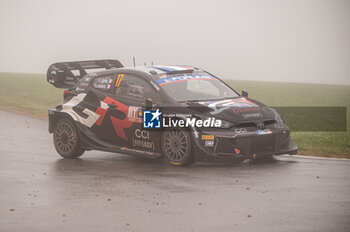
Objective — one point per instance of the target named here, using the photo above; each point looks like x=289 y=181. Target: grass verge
x=28 y=93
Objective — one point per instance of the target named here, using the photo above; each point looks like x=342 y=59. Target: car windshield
x=195 y=87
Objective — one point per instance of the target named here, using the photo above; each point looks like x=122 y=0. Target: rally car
x=181 y=113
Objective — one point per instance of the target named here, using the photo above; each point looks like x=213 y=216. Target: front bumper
x=249 y=144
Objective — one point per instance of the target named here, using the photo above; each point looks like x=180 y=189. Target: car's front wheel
x=177 y=147
x=66 y=139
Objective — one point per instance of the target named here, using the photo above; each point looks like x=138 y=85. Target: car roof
x=164 y=69
x=155 y=71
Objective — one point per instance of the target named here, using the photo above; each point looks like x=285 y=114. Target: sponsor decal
x=83 y=84
x=140 y=114
x=208 y=137
x=209 y=143
x=78 y=89
x=236 y=103
x=143 y=134
x=173 y=79
x=151 y=118
x=109 y=85
x=252 y=115
x=135 y=114
x=169 y=68
x=240 y=130
x=143 y=144
x=245 y=110
x=264 y=132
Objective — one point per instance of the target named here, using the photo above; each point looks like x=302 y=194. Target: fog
x=272 y=40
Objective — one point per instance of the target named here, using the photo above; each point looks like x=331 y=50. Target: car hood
x=234 y=110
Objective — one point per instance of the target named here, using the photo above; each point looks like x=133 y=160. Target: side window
x=103 y=83
x=136 y=87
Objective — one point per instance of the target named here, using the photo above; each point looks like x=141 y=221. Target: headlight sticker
x=264 y=132
x=208 y=137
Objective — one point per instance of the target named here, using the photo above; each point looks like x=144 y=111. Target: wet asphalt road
x=39 y=191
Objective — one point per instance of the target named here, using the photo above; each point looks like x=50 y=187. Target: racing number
x=119 y=80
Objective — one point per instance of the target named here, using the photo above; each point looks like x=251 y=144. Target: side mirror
x=148 y=103
x=244 y=93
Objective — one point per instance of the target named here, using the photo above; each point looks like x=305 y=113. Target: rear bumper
x=246 y=145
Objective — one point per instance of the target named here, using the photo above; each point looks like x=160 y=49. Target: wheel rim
x=65 y=137
x=176 y=145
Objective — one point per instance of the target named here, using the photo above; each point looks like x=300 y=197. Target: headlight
x=225 y=124
x=278 y=117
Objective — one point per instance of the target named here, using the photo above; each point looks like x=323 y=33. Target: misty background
x=272 y=40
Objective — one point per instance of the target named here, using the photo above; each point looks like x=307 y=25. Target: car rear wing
x=67 y=74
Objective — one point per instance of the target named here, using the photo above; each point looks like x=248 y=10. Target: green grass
x=274 y=94
x=31 y=94
x=28 y=93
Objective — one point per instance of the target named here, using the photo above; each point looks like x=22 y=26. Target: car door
x=127 y=104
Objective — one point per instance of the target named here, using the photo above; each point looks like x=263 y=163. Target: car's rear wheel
x=66 y=139
x=177 y=148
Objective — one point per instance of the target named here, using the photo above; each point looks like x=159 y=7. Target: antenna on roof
x=152 y=63
x=145 y=63
x=133 y=58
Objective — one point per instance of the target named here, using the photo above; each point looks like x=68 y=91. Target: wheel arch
x=55 y=116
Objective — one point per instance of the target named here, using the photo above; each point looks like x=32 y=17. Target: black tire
x=177 y=147
x=66 y=139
